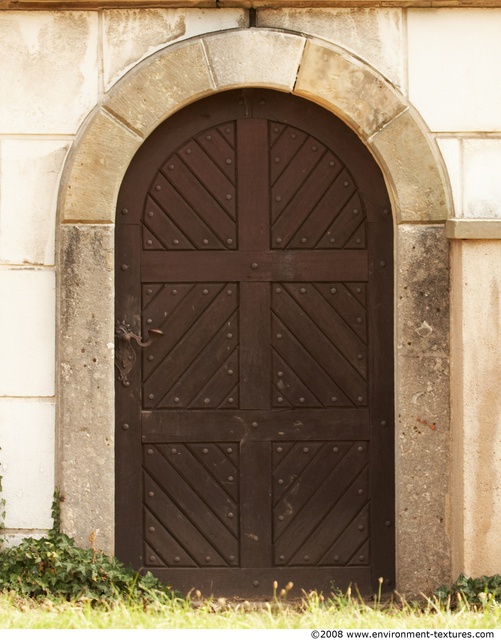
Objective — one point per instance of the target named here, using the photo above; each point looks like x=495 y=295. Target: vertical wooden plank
x=253 y=194
x=381 y=380
x=256 y=504
x=128 y=498
x=255 y=345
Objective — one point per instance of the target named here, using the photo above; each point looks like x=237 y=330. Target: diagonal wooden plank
x=341 y=513
x=316 y=225
x=159 y=301
x=322 y=519
x=206 y=171
x=198 y=197
x=287 y=141
x=197 y=378
x=208 y=489
x=348 y=548
x=348 y=299
x=290 y=208
x=294 y=353
x=222 y=387
x=188 y=348
x=192 y=546
x=162 y=547
x=216 y=144
x=190 y=503
x=312 y=494
x=291 y=385
x=168 y=233
x=179 y=311
x=344 y=225
x=218 y=465
x=319 y=381
x=297 y=173
x=315 y=342
x=332 y=326
x=179 y=210
x=292 y=466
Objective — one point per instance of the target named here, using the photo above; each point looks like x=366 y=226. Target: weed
x=53 y=566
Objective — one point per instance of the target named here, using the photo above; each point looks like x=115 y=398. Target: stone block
x=343 y=84
x=482 y=186
x=454 y=66
x=476 y=403
x=161 y=85
x=86 y=383
x=27 y=462
x=94 y=172
x=254 y=57
x=27 y=321
x=30 y=173
x=412 y=163
x=374 y=35
x=133 y=34
x=422 y=392
x=49 y=78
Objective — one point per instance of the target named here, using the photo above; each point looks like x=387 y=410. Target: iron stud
x=229 y=450
x=278 y=240
x=279 y=449
x=206 y=400
x=277 y=159
x=254 y=424
x=281 y=518
x=346 y=183
x=188 y=151
x=175 y=241
x=151 y=494
x=280 y=399
x=256 y=583
x=293 y=136
x=152 y=529
x=304 y=240
x=230 y=515
x=228 y=160
x=303 y=290
x=207 y=559
x=151 y=396
x=254 y=265
x=205 y=451
x=208 y=137
x=335 y=449
x=336 y=558
x=306 y=450
x=124 y=267
x=382 y=263
x=158 y=187
x=171 y=167
x=152 y=558
x=205 y=241
x=176 y=559
x=333 y=399
x=150 y=214
x=280 y=481
x=301 y=400
x=278 y=198
x=361 y=558
x=125 y=211
x=361 y=527
x=125 y=426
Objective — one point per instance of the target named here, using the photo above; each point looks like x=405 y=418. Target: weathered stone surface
x=372 y=34
x=95 y=169
x=473 y=229
x=161 y=85
x=413 y=166
x=422 y=400
x=476 y=404
x=453 y=67
x=482 y=186
x=132 y=34
x=85 y=451
x=451 y=150
x=28 y=194
x=343 y=84
x=27 y=326
x=27 y=462
x=49 y=78
x=254 y=57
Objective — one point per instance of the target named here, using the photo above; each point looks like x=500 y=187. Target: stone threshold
x=462 y=229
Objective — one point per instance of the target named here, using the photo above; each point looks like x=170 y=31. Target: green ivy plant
x=53 y=566
x=474 y=591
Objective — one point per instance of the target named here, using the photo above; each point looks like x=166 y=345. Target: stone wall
x=60 y=67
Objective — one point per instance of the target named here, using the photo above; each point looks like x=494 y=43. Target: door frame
x=421 y=199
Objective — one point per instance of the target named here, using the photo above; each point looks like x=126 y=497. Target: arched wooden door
x=254 y=439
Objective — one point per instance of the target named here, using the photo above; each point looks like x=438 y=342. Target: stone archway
x=411 y=163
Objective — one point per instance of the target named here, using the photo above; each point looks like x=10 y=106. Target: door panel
x=253 y=230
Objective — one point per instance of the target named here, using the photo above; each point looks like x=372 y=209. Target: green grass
x=312 y=612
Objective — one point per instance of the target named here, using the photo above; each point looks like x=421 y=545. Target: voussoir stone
x=256 y=57
x=95 y=170
x=344 y=85
x=160 y=85
x=414 y=167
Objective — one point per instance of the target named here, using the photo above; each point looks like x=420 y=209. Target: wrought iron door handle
x=125 y=356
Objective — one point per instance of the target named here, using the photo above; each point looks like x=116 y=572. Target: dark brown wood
x=261 y=238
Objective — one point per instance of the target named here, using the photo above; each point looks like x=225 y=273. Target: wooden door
x=254 y=438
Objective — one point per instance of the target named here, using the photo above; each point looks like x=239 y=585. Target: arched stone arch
x=130 y=111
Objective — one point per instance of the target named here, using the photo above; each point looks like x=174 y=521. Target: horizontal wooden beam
x=12 y=5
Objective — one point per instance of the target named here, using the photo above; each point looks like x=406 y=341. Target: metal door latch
x=125 y=356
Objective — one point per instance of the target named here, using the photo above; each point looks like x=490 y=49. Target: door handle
x=125 y=356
